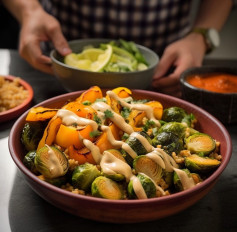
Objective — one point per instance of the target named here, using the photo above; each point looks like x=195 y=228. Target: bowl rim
x=14 y=112
x=54 y=51
x=207 y=69
x=162 y=200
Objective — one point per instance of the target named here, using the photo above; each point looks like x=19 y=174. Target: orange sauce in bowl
x=220 y=83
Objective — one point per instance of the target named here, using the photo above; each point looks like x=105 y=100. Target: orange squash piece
x=157 y=108
x=40 y=114
x=82 y=156
x=91 y=95
x=50 y=132
x=103 y=143
x=135 y=119
x=80 y=110
x=69 y=136
x=122 y=92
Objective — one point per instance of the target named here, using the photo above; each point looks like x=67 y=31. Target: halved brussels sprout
x=200 y=164
x=51 y=162
x=83 y=176
x=117 y=154
x=136 y=145
x=147 y=166
x=170 y=142
x=59 y=181
x=176 y=128
x=147 y=184
x=31 y=134
x=104 y=187
x=177 y=182
x=173 y=114
x=28 y=161
x=200 y=143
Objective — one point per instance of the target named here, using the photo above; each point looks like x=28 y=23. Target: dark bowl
x=74 y=79
x=125 y=211
x=221 y=105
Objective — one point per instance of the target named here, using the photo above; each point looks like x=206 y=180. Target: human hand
x=181 y=55
x=36 y=28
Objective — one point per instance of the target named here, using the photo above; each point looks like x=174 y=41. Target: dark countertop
x=217 y=211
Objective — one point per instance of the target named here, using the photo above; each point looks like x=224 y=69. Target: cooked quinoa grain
x=12 y=94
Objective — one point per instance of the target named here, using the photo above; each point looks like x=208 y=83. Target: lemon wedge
x=91 y=59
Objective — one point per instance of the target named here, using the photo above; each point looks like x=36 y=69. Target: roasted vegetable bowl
x=133 y=149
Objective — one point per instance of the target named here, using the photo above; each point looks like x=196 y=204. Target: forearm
x=22 y=9
x=213 y=13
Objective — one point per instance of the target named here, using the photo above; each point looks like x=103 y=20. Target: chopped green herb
x=108 y=114
x=86 y=103
x=125 y=136
x=95 y=133
x=101 y=100
x=149 y=124
x=125 y=112
x=97 y=119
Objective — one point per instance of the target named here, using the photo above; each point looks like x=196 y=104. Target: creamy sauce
x=138 y=189
x=187 y=182
x=112 y=165
x=108 y=162
x=56 y=168
x=69 y=118
x=142 y=107
x=117 y=118
x=95 y=151
x=143 y=141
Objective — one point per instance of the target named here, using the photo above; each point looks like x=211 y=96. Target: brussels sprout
x=58 y=182
x=147 y=166
x=136 y=145
x=199 y=164
x=176 y=128
x=200 y=143
x=177 y=182
x=104 y=187
x=83 y=176
x=169 y=141
x=168 y=178
x=117 y=154
x=147 y=184
x=28 y=161
x=189 y=119
x=31 y=134
x=51 y=162
x=173 y=114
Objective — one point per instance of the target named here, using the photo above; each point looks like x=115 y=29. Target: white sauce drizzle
x=69 y=118
x=117 y=118
x=187 y=182
x=148 y=109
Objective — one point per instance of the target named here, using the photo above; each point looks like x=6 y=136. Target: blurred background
x=9 y=30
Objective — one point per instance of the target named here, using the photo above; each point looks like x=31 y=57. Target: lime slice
x=90 y=54
x=91 y=59
x=102 y=60
x=71 y=59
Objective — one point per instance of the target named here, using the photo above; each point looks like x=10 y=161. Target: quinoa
x=12 y=93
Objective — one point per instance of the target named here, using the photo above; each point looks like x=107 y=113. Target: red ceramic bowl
x=18 y=110
x=125 y=211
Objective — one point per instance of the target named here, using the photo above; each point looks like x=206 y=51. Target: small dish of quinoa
x=15 y=97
